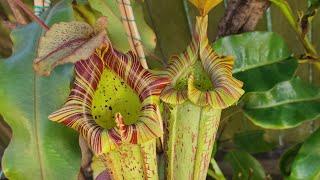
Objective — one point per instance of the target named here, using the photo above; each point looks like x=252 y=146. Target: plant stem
x=225 y=3
x=287 y=11
x=217 y=171
x=269 y=19
x=212 y=174
x=306 y=43
x=186 y=10
x=29 y=12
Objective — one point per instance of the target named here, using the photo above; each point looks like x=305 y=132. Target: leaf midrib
x=285 y=102
x=260 y=65
x=36 y=125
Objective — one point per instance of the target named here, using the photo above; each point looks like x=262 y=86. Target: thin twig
x=29 y=12
x=130 y=26
x=16 y=12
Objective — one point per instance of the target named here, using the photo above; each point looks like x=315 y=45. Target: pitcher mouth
x=143 y=87
x=200 y=75
x=123 y=99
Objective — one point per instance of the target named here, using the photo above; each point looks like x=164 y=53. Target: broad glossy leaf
x=306 y=165
x=257 y=54
x=286 y=105
x=245 y=166
x=116 y=31
x=39 y=149
x=287 y=159
x=252 y=141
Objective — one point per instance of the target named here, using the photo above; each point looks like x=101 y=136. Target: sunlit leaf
x=257 y=54
x=286 y=105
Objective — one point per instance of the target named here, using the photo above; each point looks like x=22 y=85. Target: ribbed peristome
x=225 y=89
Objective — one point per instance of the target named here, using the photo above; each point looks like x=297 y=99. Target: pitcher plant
x=201 y=85
x=114 y=100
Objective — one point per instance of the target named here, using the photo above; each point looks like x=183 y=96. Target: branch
x=30 y=13
x=16 y=12
x=241 y=16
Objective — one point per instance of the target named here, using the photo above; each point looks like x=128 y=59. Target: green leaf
x=287 y=159
x=284 y=6
x=245 y=166
x=306 y=165
x=39 y=149
x=258 y=54
x=116 y=31
x=170 y=24
x=314 y=2
x=286 y=105
x=252 y=141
